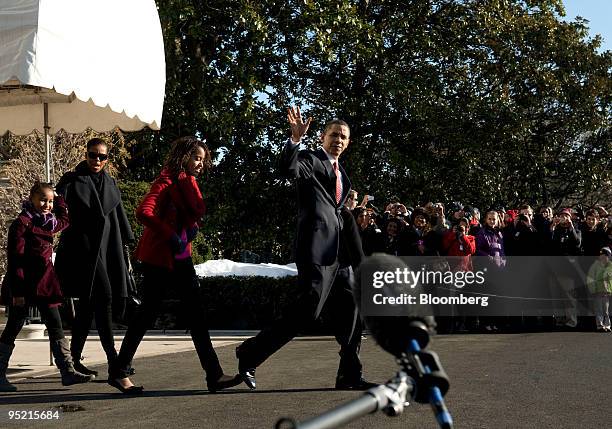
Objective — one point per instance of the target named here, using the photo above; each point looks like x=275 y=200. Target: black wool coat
x=97 y=233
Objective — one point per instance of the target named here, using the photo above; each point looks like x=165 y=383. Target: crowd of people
x=436 y=229
x=431 y=230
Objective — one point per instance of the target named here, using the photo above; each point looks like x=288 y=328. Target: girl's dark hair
x=181 y=151
x=95 y=142
x=39 y=187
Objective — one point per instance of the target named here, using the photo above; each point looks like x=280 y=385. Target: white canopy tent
x=74 y=64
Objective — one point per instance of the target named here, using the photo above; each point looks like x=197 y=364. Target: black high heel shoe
x=132 y=390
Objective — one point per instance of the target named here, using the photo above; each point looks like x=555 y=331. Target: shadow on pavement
x=30 y=397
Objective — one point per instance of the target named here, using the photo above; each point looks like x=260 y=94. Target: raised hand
x=298 y=126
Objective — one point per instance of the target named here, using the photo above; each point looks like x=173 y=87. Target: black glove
x=177 y=245
x=192 y=232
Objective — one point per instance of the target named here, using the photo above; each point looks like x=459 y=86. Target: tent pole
x=47 y=145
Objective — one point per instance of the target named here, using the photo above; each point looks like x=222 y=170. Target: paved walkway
x=31 y=357
x=543 y=380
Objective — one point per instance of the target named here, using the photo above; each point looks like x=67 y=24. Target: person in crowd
x=325 y=271
x=395 y=210
x=371 y=236
x=525 y=241
x=490 y=241
x=351 y=200
x=577 y=215
x=455 y=213
x=490 y=244
x=457 y=242
x=541 y=222
x=566 y=241
x=508 y=230
x=501 y=215
x=171 y=212
x=473 y=215
x=438 y=219
x=393 y=244
x=525 y=209
x=367 y=200
x=420 y=238
x=30 y=280
x=605 y=219
x=593 y=236
x=460 y=246
x=91 y=257
x=599 y=283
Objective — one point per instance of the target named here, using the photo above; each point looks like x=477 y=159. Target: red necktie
x=338 y=184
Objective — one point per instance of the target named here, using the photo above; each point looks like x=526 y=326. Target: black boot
x=79 y=367
x=5 y=354
x=63 y=360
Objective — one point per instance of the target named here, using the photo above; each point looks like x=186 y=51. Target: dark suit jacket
x=327 y=236
x=319 y=216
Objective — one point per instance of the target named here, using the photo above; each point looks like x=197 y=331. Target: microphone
x=393 y=327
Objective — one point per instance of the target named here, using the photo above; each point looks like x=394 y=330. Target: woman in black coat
x=90 y=261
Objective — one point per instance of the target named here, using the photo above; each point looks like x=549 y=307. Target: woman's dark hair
x=40 y=187
x=420 y=211
x=358 y=210
x=181 y=151
x=397 y=222
x=96 y=141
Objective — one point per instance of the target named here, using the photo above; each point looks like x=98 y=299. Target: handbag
x=133 y=299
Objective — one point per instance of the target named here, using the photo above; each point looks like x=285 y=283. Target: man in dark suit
x=327 y=249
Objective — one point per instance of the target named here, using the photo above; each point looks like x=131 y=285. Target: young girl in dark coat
x=31 y=280
x=170 y=213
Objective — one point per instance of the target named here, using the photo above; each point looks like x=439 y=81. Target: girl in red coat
x=31 y=280
x=170 y=213
x=457 y=242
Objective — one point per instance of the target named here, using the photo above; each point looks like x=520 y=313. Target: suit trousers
x=156 y=281
x=339 y=312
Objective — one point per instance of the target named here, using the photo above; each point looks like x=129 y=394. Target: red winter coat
x=464 y=248
x=30 y=272
x=172 y=205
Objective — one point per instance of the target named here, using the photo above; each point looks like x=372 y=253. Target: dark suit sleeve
x=294 y=163
x=351 y=239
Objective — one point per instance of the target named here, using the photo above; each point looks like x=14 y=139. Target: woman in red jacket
x=170 y=213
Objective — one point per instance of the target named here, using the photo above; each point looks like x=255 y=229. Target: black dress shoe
x=353 y=384
x=224 y=382
x=132 y=390
x=246 y=374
